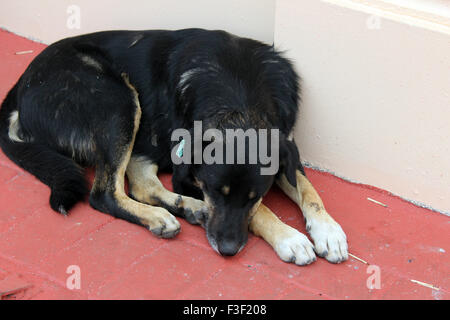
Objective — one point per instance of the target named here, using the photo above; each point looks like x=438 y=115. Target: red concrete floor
x=119 y=260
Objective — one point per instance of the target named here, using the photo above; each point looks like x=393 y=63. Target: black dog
x=113 y=99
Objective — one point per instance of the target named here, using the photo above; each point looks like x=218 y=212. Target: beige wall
x=46 y=20
x=376 y=103
x=376 y=106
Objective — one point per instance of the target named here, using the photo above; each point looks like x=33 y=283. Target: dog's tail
x=64 y=177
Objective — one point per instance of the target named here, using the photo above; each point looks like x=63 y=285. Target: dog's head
x=233 y=191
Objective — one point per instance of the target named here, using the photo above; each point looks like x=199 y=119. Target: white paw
x=164 y=225
x=295 y=247
x=329 y=239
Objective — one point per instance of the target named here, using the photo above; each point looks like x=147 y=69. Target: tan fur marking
x=152 y=217
x=198 y=183
x=141 y=175
x=266 y=225
x=137 y=118
x=305 y=196
x=226 y=190
x=135 y=94
x=147 y=188
x=290 y=245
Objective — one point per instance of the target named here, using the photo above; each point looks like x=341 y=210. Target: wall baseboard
x=309 y=165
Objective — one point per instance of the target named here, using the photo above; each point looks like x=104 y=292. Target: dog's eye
x=252 y=195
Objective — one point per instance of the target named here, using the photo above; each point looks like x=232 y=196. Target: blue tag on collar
x=180 y=149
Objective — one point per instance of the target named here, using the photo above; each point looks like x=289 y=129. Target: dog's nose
x=228 y=248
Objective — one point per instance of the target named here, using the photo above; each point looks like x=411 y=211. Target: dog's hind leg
x=108 y=193
x=146 y=187
x=329 y=239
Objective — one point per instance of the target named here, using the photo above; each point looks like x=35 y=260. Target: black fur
x=75 y=111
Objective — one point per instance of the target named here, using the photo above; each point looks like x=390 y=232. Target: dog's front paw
x=162 y=224
x=295 y=247
x=194 y=211
x=329 y=239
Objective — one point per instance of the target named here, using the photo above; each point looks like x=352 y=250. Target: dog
x=112 y=100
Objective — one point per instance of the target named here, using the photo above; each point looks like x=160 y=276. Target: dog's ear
x=289 y=160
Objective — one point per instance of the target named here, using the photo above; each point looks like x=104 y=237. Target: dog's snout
x=229 y=248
